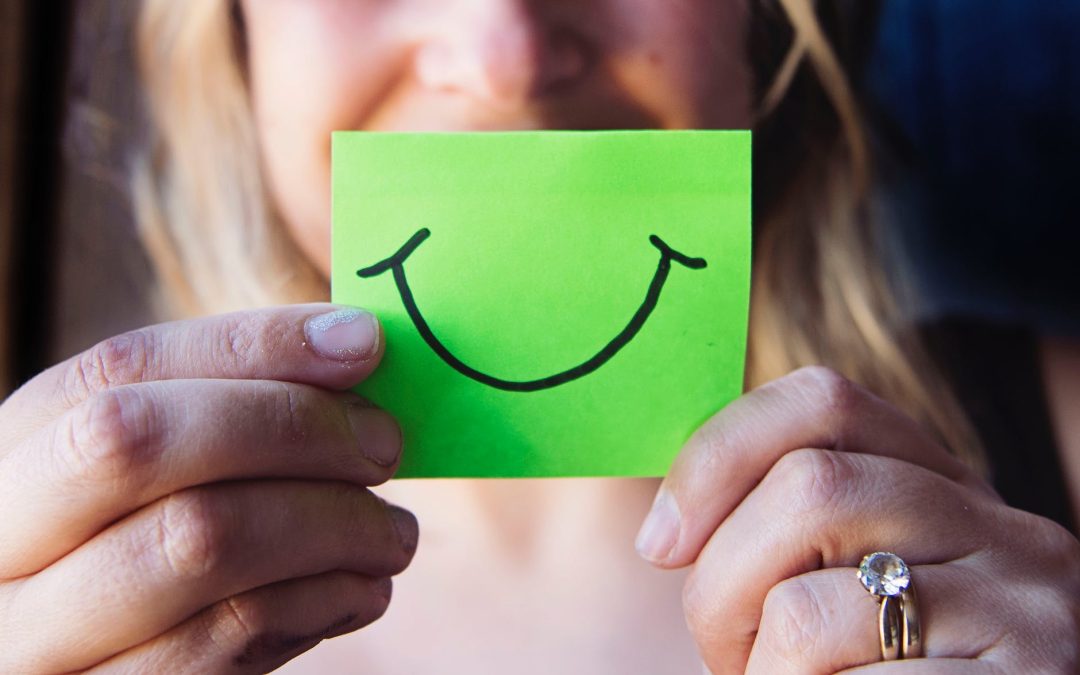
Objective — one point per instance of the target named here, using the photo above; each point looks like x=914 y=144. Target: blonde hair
x=820 y=292
x=203 y=207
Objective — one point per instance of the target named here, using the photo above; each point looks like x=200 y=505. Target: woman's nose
x=501 y=52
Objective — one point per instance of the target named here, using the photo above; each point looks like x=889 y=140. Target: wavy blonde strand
x=848 y=317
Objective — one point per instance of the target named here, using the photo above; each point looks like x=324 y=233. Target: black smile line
x=396 y=263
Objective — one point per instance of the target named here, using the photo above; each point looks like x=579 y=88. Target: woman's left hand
x=777 y=499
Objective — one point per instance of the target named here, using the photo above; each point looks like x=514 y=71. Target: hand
x=777 y=498
x=192 y=498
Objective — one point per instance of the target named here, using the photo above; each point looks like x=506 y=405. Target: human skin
x=780 y=495
x=474 y=65
x=194 y=496
x=171 y=493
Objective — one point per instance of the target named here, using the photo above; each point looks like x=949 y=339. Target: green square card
x=554 y=303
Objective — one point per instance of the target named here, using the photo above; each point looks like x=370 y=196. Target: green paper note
x=554 y=303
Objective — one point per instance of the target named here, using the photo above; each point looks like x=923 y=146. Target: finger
x=186 y=552
x=258 y=631
x=928 y=667
x=825 y=621
x=131 y=445
x=820 y=509
x=321 y=345
x=728 y=456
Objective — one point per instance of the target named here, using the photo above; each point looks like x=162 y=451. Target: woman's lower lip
x=554 y=123
x=512 y=127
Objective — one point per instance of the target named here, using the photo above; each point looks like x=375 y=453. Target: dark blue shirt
x=988 y=96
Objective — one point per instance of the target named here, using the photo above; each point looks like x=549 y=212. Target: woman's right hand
x=192 y=497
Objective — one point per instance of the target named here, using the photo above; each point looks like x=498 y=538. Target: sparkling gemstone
x=884 y=574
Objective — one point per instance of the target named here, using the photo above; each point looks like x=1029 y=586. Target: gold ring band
x=911 y=626
x=889 y=628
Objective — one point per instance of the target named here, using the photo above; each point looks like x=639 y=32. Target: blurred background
x=73 y=270
x=983 y=97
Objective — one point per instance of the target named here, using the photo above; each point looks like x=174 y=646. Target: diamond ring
x=885 y=576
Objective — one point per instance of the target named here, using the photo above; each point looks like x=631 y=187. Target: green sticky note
x=554 y=303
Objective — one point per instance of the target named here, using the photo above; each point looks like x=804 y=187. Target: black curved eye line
x=396 y=263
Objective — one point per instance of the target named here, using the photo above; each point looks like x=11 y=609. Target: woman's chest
x=555 y=601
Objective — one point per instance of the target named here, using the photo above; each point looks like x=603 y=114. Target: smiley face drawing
x=396 y=263
x=552 y=303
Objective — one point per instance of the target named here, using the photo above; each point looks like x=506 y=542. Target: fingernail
x=378 y=433
x=660 y=531
x=345 y=335
x=407 y=529
x=383 y=588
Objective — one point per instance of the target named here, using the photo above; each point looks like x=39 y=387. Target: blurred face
x=319 y=66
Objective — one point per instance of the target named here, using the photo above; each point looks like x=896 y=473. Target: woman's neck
x=528 y=523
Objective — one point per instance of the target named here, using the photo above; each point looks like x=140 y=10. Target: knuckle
x=791 y=619
x=829 y=394
x=123 y=359
x=712 y=450
x=247 y=629
x=831 y=391
x=244 y=340
x=237 y=622
x=192 y=534
x=109 y=435
x=698 y=611
x=811 y=480
x=289 y=410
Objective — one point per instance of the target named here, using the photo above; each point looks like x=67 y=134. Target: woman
x=193 y=496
